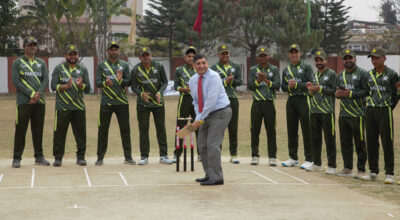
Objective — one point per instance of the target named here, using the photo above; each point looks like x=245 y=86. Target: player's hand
x=69 y=84
x=317 y=88
x=339 y=93
x=36 y=97
x=108 y=81
x=229 y=79
x=119 y=75
x=184 y=90
x=268 y=82
x=196 y=124
x=346 y=93
x=79 y=82
x=158 y=96
x=145 y=96
x=32 y=101
x=292 y=83
x=261 y=77
x=309 y=86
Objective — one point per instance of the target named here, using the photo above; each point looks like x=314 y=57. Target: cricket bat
x=186 y=130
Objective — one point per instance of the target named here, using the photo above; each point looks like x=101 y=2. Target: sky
x=361 y=9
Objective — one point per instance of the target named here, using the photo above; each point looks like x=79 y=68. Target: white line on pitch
x=290 y=175
x=376 y=204
x=33 y=178
x=87 y=177
x=259 y=174
x=1 y=177
x=390 y=214
x=123 y=178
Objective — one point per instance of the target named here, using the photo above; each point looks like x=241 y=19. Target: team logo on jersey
x=354 y=77
x=385 y=78
x=232 y=69
x=300 y=70
x=155 y=71
x=325 y=78
x=38 y=65
x=270 y=74
x=78 y=71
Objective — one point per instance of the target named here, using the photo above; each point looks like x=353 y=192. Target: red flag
x=199 y=19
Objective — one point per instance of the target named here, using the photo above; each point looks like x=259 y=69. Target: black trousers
x=297 y=109
x=380 y=123
x=35 y=114
x=122 y=113
x=263 y=110
x=353 y=128
x=325 y=123
x=77 y=118
x=233 y=126
x=143 y=116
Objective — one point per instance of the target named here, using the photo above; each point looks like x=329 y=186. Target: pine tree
x=8 y=28
x=388 y=12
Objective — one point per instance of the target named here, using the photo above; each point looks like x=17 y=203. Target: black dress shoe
x=212 y=182
x=81 y=161
x=16 y=163
x=200 y=180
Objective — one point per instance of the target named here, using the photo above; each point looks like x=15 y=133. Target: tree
x=8 y=28
x=334 y=26
x=388 y=12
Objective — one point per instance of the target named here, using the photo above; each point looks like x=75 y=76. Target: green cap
x=112 y=44
x=144 y=50
x=320 y=54
x=29 y=40
x=191 y=49
x=262 y=50
x=223 y=48
x=71 y=48
x=377 y=52
x=348 y=52
x=294 y=47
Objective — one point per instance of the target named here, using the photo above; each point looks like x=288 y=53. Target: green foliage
x=9 y=29
x=388 y=12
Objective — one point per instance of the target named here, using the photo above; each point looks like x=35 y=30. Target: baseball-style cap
x=191 y=49
x=223 y=48
x=320 y=54
x=377 y=52
x=144 y=50
x=112 y=44
x=29 y=40
x=348 y=52
x=262 y=50
x=294 y=47
x=71 y=48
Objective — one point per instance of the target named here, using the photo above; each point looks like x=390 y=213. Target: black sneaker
x=130 y=161
x=81 y=161
x=42 y=161
x=57 y=163
x=99 y=162
x=16 y=163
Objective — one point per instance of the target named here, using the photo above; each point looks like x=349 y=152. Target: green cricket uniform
x=70 y=108
x=352 y=117
x=113 y=100
x=322 y=110
x=230 y=88
x=153 y=80
x=297 y=107
x=379 y=117
x=263 y=107
x=29 y=77
x=185 y=104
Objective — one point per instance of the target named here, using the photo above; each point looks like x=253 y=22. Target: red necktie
x=200 y=93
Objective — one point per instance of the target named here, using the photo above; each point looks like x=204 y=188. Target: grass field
x=7 y=107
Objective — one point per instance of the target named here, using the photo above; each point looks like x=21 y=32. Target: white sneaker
x=330 y=171
x=143 y=161
x=272 y=162
x=306 y=164
x=346 y=172
x=389 y=179
x=369 y=177
x=290 y=163
x=234 y=159
x=359 y=174
x=254 y=160
x=314 y=168
x=165 y=160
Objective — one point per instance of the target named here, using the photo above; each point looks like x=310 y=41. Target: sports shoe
x=369 y=177
x=234 y=160
x=346 y=172
x=272 y=162
x=290 y=163
x=314 y=168
x=81 y=161
x=389 y=179
x=359 y=174
x=330 y=171
x=57 y=162
x=174 y=158
x=99 y=162
x=42 y=161
x=254 y=160
x=306 y=164
x=143 y=161
x=165 y=160
x=16 y=163
x=129 y=161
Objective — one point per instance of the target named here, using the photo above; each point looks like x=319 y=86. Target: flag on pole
x=199 y=19
x=132 y=34
x=308 y=17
